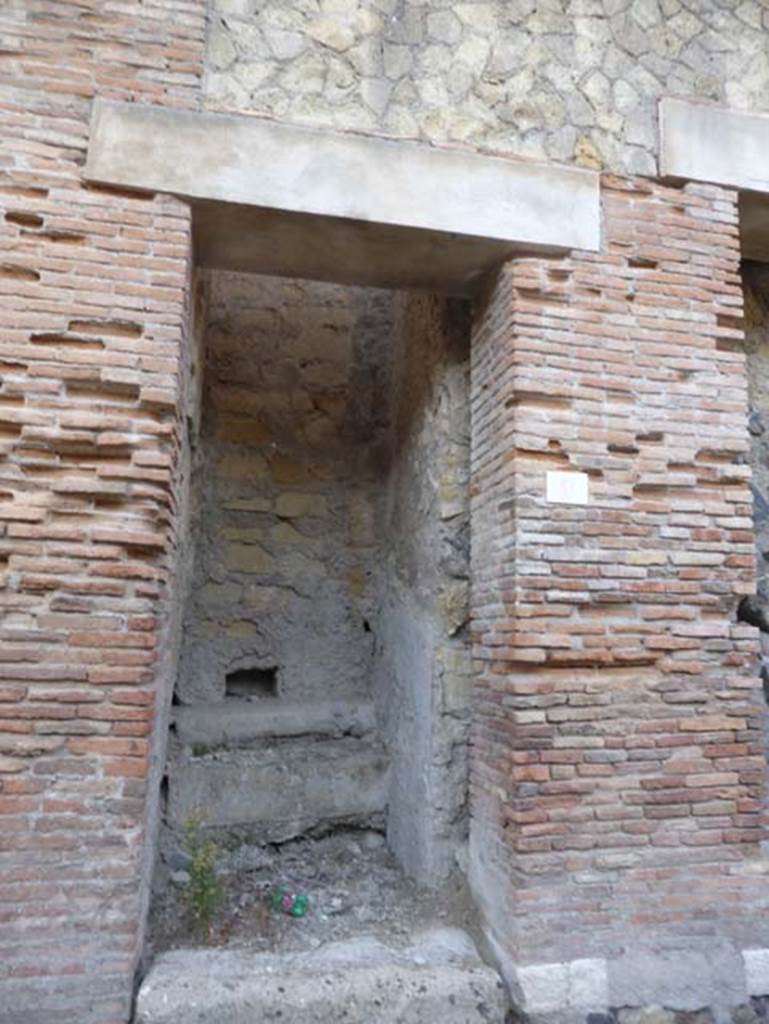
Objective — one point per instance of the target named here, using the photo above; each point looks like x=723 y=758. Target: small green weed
x=204 y=892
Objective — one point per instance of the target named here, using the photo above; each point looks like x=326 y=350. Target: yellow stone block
x=285 y=533
x=244 y=534
x=241 y=628
x=248 y=505
x=294 y=506
x=356 y=580
x=249 y=558
x=266 y=599
x=287 y=471
x=241 y=467
x=242 y=430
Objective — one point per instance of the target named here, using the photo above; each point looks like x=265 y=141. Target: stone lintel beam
x=277 y=199
x=702 y=142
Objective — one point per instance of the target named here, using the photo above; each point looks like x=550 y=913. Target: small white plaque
x=756 y=970
x=566 y=488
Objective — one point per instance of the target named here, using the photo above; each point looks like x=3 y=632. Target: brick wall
x=618 y=768
x=618 y=776
x=93 y=287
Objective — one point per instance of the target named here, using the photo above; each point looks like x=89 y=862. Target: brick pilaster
x=618 y=769
x=93 y=300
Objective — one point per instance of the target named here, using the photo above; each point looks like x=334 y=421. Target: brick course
x=93 y=299
x=618 y=758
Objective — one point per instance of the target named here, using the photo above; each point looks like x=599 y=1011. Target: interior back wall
x=286 y=486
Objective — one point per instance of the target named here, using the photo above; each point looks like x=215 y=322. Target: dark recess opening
x=252 y=682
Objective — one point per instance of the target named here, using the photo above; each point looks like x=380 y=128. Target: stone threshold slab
x=274 y=198
x=440 y=978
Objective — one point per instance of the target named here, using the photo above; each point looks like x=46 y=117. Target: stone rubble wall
x=94 y=371
x=287 y=479
x=286 y=498
x=564 y=80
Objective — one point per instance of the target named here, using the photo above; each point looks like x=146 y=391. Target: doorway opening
x=325 y=672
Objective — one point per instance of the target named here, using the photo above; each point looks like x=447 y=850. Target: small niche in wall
x=251 y=683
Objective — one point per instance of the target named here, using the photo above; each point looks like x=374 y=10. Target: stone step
x=237 y=722
x=440 y=979
x=282 y=788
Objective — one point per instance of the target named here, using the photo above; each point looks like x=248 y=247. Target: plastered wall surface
x=423 y=669
x=566 y=80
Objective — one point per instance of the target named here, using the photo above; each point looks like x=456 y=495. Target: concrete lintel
x=701 y=142
x=280 y=199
